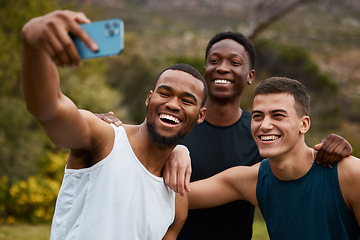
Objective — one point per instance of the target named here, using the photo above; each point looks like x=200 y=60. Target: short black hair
x=238 y=37
x=192 y=71
x=290 y=86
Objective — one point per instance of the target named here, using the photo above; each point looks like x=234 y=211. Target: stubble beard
x=161 y=140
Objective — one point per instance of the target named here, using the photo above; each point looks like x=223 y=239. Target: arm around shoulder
x=236 y=183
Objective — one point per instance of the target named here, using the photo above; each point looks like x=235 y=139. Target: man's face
x=174 y=107
x=227 y=70
x=276 y=126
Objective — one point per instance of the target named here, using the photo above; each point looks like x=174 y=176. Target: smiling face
x=277 y=128
x=174 y=107
x=227 y=70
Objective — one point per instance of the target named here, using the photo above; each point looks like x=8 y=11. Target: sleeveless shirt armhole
x=117 y=131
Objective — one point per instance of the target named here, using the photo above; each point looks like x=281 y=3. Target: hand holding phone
x=108 y=34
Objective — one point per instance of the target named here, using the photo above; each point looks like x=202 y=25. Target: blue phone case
x=108 y=34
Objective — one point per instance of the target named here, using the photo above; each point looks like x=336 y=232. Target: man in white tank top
x=113 y=187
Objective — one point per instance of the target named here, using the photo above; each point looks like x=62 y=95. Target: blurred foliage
x=197 y=62
x=21 y=140
x=133 y=74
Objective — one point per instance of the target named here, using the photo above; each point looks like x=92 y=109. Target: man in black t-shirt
x=224 y=139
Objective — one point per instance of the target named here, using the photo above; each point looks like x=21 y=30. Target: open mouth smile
x=166 y=118
x=269 y=138
x=222 y=81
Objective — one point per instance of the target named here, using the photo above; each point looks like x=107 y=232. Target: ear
x=305 y=124
x=251 y=76
x=201 y=116
x=148 y=98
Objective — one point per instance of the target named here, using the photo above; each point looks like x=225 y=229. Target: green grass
x=259 y=227
x=42 y=231
x=260 y=231
x=25 y=232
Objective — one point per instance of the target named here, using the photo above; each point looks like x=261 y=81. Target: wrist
x=184 y=147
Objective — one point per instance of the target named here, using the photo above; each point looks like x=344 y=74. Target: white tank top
x=117 y=198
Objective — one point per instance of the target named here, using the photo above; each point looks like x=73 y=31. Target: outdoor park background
x=316 y=42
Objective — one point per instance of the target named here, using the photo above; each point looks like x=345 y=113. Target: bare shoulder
x=350 y=166
x=248 y=173
x=349 y=181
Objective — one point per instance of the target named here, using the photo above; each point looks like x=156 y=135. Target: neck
x=292 y=165
x=222 y=113
x=151 y=155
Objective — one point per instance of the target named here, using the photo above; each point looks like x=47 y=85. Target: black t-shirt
x=212 y=150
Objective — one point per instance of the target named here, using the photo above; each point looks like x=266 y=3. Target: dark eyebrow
x=273 y=111
x=187 y=94
x=232 y=55
x=166 y=87
x=256 y=111
x=191 y=96
x=279 y=110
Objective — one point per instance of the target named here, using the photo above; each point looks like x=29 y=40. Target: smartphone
x=108 y=34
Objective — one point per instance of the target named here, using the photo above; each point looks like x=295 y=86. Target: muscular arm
x=237 y=183
x=181 y=210
x=349 y=180
x=45 y=43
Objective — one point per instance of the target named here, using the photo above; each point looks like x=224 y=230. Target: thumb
x=318 y=146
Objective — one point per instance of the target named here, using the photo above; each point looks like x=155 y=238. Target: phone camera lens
x=107 y=25
x=115 y=24
x=111 y=33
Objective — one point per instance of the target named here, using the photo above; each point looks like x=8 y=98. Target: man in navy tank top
x=298 y=198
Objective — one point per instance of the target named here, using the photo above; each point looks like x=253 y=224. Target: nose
x=266 y=124
x=223 y=67
x=173 y=104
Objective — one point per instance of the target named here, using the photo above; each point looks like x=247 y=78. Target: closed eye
x=164 y=94
x=256 y=117
x=188 y=102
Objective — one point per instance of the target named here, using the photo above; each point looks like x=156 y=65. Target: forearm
x=40 y=82
x=237 y=183
x=41 y=88
x=211 y=192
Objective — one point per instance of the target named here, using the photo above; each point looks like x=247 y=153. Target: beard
x=161 y=140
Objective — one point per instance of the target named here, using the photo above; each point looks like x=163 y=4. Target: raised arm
x=45 y=43
x=237 y=183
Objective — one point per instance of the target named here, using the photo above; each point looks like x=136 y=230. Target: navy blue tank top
x=311 y=207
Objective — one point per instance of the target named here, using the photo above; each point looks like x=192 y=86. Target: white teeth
x=222 y=81
x=269 y=138
x=170 y=118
